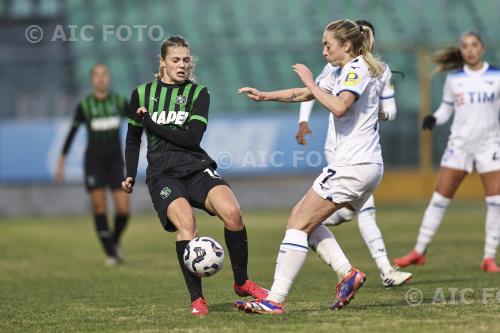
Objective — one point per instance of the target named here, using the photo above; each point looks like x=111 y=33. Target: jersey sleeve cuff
x=199 y=118
x=351 y=91
x=135 y=123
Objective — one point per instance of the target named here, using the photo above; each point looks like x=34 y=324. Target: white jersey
x=356 y=133
x=475 y=98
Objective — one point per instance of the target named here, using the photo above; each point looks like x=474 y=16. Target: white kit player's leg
x=291 y=257
x=492 y=228
x=373 y=236
x=340 y=216
x=433 y=217
x=324 y=243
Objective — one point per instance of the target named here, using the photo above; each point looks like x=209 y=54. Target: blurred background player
x=356 y=169
x=180 y=174
x=472 y=90
x=319 y=240
x=102 y=112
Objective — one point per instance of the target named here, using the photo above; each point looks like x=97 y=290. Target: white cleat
x=119 y=252
x=394 y=278
x=112 y=261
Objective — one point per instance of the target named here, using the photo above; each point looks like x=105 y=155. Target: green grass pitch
x=53 y=279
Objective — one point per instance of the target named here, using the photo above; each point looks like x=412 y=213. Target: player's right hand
x=429 y=123
x=128 y=184
x=252 y=93
x=302 y=132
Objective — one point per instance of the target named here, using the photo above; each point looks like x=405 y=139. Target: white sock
x=340 y=216
x=492 y=228
x=373 y=238
x=291 y=257
x=432 y=219
x=324 y=243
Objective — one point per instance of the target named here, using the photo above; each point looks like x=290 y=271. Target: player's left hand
x=304 y=74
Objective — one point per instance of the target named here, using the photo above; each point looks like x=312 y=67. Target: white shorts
x=351 y=185
x=486 y=158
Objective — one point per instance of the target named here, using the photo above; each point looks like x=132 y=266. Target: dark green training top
x=175 y=122
x=102 y=118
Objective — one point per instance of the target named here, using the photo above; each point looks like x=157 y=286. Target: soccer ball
x=203 y=256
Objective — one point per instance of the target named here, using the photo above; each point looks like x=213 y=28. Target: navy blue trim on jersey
x=492 y=69
x=351 y=91
x=387 y=97
x=446 y=102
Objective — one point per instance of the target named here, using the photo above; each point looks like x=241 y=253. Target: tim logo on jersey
x=170 y=117
x=475 y=97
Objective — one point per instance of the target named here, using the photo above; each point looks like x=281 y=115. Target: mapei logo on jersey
x=180 y=100
x=352 y=79
x=165 y=192
x=170 y=117
x=105 y=123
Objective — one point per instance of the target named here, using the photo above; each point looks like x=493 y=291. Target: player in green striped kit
x=102 y=113
x=180 y=174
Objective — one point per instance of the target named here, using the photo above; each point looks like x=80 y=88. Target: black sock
x=120 y=225
x=101 y=226
x=193 y=283
x=237 y=246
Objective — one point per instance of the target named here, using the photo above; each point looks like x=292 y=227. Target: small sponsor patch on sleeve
x=352 y=79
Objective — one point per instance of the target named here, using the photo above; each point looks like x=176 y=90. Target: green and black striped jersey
x=176 y=107
x=102 y=118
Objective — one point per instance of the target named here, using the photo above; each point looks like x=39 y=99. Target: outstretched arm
x=293 y=95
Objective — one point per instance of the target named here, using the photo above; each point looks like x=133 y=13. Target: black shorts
x=194 y=188
x=100 y=172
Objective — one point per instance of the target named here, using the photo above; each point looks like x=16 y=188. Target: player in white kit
x=472 y=91
x=351 y=94
x=319 y=240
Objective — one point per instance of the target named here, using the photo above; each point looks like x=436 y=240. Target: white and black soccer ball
x=203 y=256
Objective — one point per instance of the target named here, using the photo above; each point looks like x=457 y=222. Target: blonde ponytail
x=375 y=66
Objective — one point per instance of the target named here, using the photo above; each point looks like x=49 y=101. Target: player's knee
x=346 y=214
x=98 y=207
